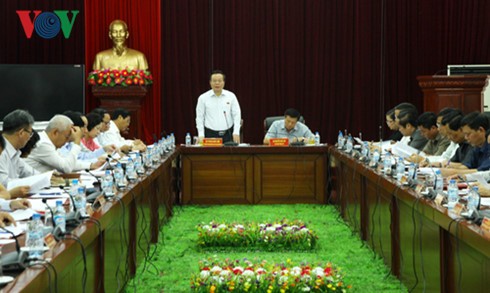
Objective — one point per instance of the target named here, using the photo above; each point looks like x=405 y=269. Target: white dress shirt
x=44 y=157
x=218 y=113
x=405 y=140
x=12 y=166
x=5 y=205
x=112 y=136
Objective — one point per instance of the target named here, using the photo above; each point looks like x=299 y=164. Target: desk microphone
x=96 y=178
x=57 y=232
x=76 y=215
x=111 y=157
x=439 y=71
x=17 y=246
x=229 y=143
x=71 y=198
x=14 y=260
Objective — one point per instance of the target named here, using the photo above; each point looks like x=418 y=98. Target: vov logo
x=47 y=24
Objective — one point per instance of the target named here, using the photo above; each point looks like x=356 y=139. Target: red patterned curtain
x=144 y=22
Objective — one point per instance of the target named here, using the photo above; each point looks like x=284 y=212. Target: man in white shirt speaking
x=218 y=113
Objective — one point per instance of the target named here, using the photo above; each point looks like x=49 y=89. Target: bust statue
x=120 y=56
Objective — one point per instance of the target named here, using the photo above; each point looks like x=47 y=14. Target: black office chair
x=269 y=120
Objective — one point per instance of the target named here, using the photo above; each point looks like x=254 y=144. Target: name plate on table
x=212 y=142
x=279 y=142
x=485 y=225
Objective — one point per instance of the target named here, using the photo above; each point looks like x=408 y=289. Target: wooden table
x=115 y=240
x=428 y=249
x=253 y=175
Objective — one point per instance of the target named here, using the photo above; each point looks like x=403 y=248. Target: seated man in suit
x=45 y=157
x=121 y=119
x=17 y=130
x=289 y=127
x=437 y=143
x=475 y=127
x=407 y=120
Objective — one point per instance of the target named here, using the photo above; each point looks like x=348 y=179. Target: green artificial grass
x=177 y=254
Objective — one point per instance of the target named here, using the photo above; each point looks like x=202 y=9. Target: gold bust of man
x=120 y=56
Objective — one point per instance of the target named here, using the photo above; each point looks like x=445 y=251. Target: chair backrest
x=269 y=120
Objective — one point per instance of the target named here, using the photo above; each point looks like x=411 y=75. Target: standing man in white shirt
x=218 y=113
x=17 y=130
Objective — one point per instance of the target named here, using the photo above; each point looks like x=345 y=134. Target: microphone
x=76 y=215
x=431 y=192
x=231 y=142
x=96 y=178
x=17 y=246
x=14 y=260
x=439 y=71
x=57 y=232
x=71 y=198
x=111 y=157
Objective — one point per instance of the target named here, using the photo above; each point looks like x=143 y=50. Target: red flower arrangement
x=115 y=77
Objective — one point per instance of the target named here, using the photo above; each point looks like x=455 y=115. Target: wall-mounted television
x=466 y=69
x=42 y=89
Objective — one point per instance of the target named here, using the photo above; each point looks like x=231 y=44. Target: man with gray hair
x=44 y=157
x=17 y=130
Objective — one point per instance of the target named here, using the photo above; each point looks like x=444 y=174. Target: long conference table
x=428 y=249
x=115 y=240
x=254 y=174
x=425 y=247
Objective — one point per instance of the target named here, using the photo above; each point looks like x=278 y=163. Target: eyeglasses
x=31 y=132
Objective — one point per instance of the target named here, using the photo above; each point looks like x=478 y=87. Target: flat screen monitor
x=467 y=69
x=44 y=90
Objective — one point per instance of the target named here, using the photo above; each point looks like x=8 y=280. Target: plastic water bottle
x=430 y=179
x=155 y=158
x=130 y=171
x=81 y=201
x=374 y=159
x=138 y=164
x=473 y=200
x=387 y=164
x=349 y=145
x=340 y=140
x=60 y=216
x=317 y=138
x=119 y=176
x=148 y=158
x=412 y=172
x=108 y=184
x=400 y=169
x=365 y=150
x=35 y=237
x=172 y=140
x=439 y=181
x=452 y=194
x=188 y=139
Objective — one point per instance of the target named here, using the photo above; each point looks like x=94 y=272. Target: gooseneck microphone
x=17 y=246
x=16 y=260
x=111 y=157
x=71 y=198
x=96 y=178
x=51 y=211
x=57 y=232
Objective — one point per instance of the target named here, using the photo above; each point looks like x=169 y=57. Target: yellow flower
x=329 y=285
x=212 y=289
